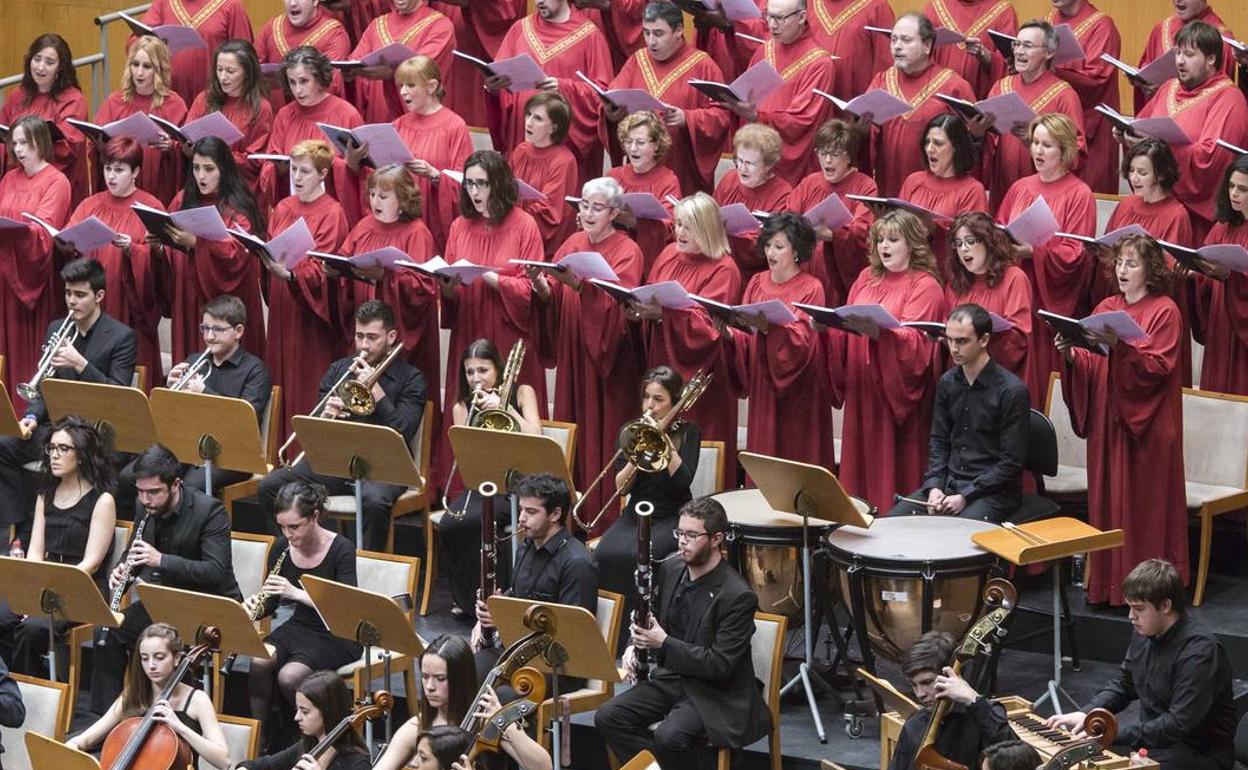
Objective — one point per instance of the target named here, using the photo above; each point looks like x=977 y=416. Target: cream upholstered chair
x=242 y=737
x=82 y=634
x=1071 y=481
x=1215 y=464
x=48 y=711
x=394 y=576
x=1105 y=205
x=249 y=556
x=709 y=477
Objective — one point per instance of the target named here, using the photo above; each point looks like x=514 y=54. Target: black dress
x=300 y=635
x=345 y=759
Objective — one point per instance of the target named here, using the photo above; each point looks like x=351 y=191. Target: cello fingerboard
x=1048 y=741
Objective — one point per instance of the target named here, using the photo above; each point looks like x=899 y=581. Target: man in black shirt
x=230 y=371
x=973 y=723
x=400 y=402
x=1177 y=670
x=979 y=429
x=185 y=544
x=703 y=689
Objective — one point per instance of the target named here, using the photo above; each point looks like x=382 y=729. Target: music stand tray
x=215 y=431
x=123 y=412
x=46 y=752
x=9 y=422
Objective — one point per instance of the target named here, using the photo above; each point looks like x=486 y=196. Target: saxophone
x=262 y=596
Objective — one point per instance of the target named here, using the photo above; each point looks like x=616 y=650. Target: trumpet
x=647 y=444
x=261 y=597
x=67 y=333
x=201 y=363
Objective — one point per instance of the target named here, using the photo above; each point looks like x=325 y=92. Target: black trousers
x=625 y=720
x=24 y=643
x=17 y=494
x=108 y=669
x=379 y=499
x=995 y=508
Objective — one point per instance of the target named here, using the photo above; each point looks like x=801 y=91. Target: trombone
x=201 y=363
x=67 y=333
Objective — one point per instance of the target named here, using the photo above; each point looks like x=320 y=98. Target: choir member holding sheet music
x=730 y=42
x=619 y=21
x=49 y=90
x=838 y=27
x=301 y=22
x=753 y=181
x=479 y=29
x=1207 y=106
x=977 y=60
x=884 y=377
x=1128 y=405
x=411 y=23
x=216 y=21
x=646 y=145
x=698 y=125
x=1164 y=36
x=145 y=87
x=1059 y=268
x=915 y=79
x=841 y=252
x=1221 y=309
x=545 y=162
x=777 y=364
x=946 y=186
x=235 y=89
x=27 y=304
x=597 y=355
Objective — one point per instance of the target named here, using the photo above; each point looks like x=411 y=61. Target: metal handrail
x=94 y=61
x=103 y=21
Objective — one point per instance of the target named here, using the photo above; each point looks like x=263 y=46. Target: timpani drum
x=907 y=575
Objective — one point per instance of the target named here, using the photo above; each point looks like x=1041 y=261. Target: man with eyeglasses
x=977 y=60
x=1164 y=36
x=230 y=370
x=703 y=689
x=979 y=430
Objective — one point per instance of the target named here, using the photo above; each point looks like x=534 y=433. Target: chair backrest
x=422 y=442
x=139 y=378
x=767 y=650
x=1105 y=205
x=709 y=477
x=121 y=536
x=1041 y=445
x=1241 y=743
x=564 y=433
x=47 y=704
x=389 y=574
x=242 y=737
x=1071 y=450
x=609 y=615
x=268 y=436
x=1214 y=426
x=251 y=558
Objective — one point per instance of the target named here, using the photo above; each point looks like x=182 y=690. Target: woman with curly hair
x=646 y=144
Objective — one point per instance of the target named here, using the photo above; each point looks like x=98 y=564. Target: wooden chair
x=709 y=478
x=767 y=650
x=139 y=379
x=392 y=575
x=48 y=711
x=242 y=735
x=269 y=430
x=83 y=634
x=1215 y=464
x=1071 y=480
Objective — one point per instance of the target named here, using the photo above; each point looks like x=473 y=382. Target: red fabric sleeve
x=903 y=357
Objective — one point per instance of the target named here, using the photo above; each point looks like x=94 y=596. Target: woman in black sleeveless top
x=321 y=702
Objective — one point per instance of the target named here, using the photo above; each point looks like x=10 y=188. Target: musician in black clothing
x=103 y=352
x=703 y=689
x=12 y=709
x=973 y=722
x=400 y=403
x=230 y=371
x=1179 y=672
x=185 y=544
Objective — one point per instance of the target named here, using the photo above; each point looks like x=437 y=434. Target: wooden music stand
x=10 y=424
x=643 y=761
x=1049 y=540
x=809 y=491
x=213 y=430
x=123 y=414
x=51 y=590
x=46 y=752
x=359 y=452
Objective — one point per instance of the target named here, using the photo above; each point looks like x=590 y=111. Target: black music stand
x=810 y=491
x=121 y=414
x=215 y=430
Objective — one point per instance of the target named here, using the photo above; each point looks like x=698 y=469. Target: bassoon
x=644 y=577
x=489 y=551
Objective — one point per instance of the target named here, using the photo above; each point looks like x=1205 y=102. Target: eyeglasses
x=595 y=208
x=636 y=142
x=476 y=184
x=746 y=163
x=837 y=153
x=208 y=329
x=57 y=450
x=780 y=18
x=967 y=243
x=680 y=534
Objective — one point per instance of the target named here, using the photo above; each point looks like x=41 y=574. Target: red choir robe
x=1006 y=159
x=895 y=146
x=598 y=360
x=697 y=145
x=552 y=170
x=479 y=30
x=255 y=126
x=1161 y=39
x=778 y=372
x=886 y=387
x=732 y=52
x=1096 y=82
x=212 y=269
x=69 y=155
x=1214 y=110
x=771 y=196
x=161 y=174
x=442 y=140
x=973 y=18
x=651 y=235
x=837 y=26
x=952 y=196
x=794 y=109
x=1060 y=270
x=357 y=15
x=621 y=23
x=687 y=341
x=560 y=50
x=1129 y=406
x=302 y=333
x=323 y=32
x=1012 y=300
x=131 y=296
x=425 y=31
x=293 y=124
x=216 y=21
x=1222 y=316
x=27 y=304
x=838 y=262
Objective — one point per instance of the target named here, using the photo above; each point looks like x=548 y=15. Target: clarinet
x=644 y=577
x=489 y=552
x=119 y=593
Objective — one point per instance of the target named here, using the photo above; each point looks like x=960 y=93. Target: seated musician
x=185 y=544
x=443 y=748
x=459 y=532
x=1010 y=755
x=12 y=709
x=703 y=689
x=399 y=395
x=103 y=352
x=979 y=429
x=230 y=371
x=1177 y=669
x=187 y=712
x=74 y=518
x=321 y=702
x=971 y=724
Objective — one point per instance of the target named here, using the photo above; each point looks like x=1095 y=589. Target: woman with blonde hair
x=884 y=378
x=145 y=87
x=646 y=144
x=754 y=182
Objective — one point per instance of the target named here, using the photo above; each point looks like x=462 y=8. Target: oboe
x=119 y=592
x=645 y=584
x=489 y=551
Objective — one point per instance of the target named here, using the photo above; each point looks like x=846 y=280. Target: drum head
x=911 y=539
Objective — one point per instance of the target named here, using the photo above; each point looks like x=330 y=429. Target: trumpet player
x=399 y=396
x=87 y=345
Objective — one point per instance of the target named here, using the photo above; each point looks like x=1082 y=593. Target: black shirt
x=964 y=733
x=405 y=390
x=242 y=375
x=979 y=433
x=560 y=571
x=1183 y=682
x=691 y=600
x=109 y=347
x=668 y=491
x=194 y=542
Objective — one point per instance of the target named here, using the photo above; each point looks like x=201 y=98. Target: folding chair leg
x=1206 y=546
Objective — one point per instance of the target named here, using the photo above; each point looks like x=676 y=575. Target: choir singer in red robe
x=301 y=22
x=977 y=60
x=235 y=89
x=545 y=162
x=753 y=181
x=646 y=144
x=216 y=21
x=417 y=26
x=1128 y=404
x=946 y=186
x=1164 y=36
x=1222 y=306
x=479 y=29
x=839 y=27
